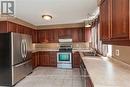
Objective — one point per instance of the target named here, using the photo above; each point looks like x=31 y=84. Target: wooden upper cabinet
x=75 y=35
x=114 y=21
x=52 y=35
x=11 y=27
x=104 y=20
x=27 y=30
x=6 y=26
x=3 y=26
x=120 y=19
x=78 y=35
x=34 y=36
x=87 y=34
x=42 y=36
x=20 y=29
x=55 y=35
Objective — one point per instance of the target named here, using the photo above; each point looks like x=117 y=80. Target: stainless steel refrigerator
x=15 y=58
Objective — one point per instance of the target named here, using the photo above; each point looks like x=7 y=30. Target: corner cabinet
x=114 y=22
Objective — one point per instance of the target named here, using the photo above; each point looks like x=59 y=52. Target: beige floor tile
x=51 y=77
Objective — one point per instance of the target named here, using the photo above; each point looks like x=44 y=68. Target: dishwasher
x=84 y=74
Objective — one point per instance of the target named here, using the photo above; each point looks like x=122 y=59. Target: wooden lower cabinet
x=47 y=58
x=53 y=59
x=35 y=59
x=89 y=82
x=76 y=60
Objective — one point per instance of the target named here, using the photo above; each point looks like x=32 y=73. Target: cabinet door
x=53 y=59
x=35 y=59
x=50 y=36
x=105 y=20
x=11 y=27
x=41 y=59
x=3 y=26
x=55 y=36
x=81 y=34
x=41 y=36
x=120 y=19
x=87 y=36
x=34 y=36
x=75 y=35
x=89 y=82
x=44 y=59
x=76 y=60
x=20 y=29
x=61 y=33
x=27 y=30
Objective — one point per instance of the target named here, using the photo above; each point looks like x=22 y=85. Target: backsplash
x=123 y=53
x=43 y=46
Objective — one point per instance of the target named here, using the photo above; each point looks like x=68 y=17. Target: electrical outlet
x=117 y=52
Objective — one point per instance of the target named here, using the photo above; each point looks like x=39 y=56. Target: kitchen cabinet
x=42 y=36
x=65 y=33
x=20 y=29
x=27 y=31
x=119 y=19
x=104 y=20
x=55 y=33
x=87 y=34
x=44 y=59
x=6 y=26
x=114 y=22
x=47 y=58
x=76 y=60
x=11 y=27
x=53 y=58
x=34 y=36
x=35 y=59
x=89 y=82
x=85 y=77
x=75 y=35
x=78 y=35
x=52 y=35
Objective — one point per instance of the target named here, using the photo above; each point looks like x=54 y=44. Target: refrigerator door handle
x=22 y=46
x=25 y=48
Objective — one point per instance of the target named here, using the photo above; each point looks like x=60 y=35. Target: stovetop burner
x=65 y=50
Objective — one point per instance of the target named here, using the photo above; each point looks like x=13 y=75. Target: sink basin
x=89 y=54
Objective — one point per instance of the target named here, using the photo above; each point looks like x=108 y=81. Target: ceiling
x=63 y=11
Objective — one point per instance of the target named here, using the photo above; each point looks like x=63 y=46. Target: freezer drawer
x=21 y=70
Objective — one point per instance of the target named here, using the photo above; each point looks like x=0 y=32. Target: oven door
x=64 y=57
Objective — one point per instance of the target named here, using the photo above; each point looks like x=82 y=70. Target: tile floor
x=52 y=77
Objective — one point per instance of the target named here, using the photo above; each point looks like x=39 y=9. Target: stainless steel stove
x=64 y=56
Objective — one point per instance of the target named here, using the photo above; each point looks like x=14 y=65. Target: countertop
x=57 y=49
x=106 y=72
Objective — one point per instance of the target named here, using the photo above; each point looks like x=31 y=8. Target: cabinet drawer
x=20 y=71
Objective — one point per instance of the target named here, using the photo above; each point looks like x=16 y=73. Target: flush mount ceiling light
x=47 y=17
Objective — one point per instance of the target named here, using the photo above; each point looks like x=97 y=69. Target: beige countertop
x=106 y=72
x=45 y=49
x=57 y=49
